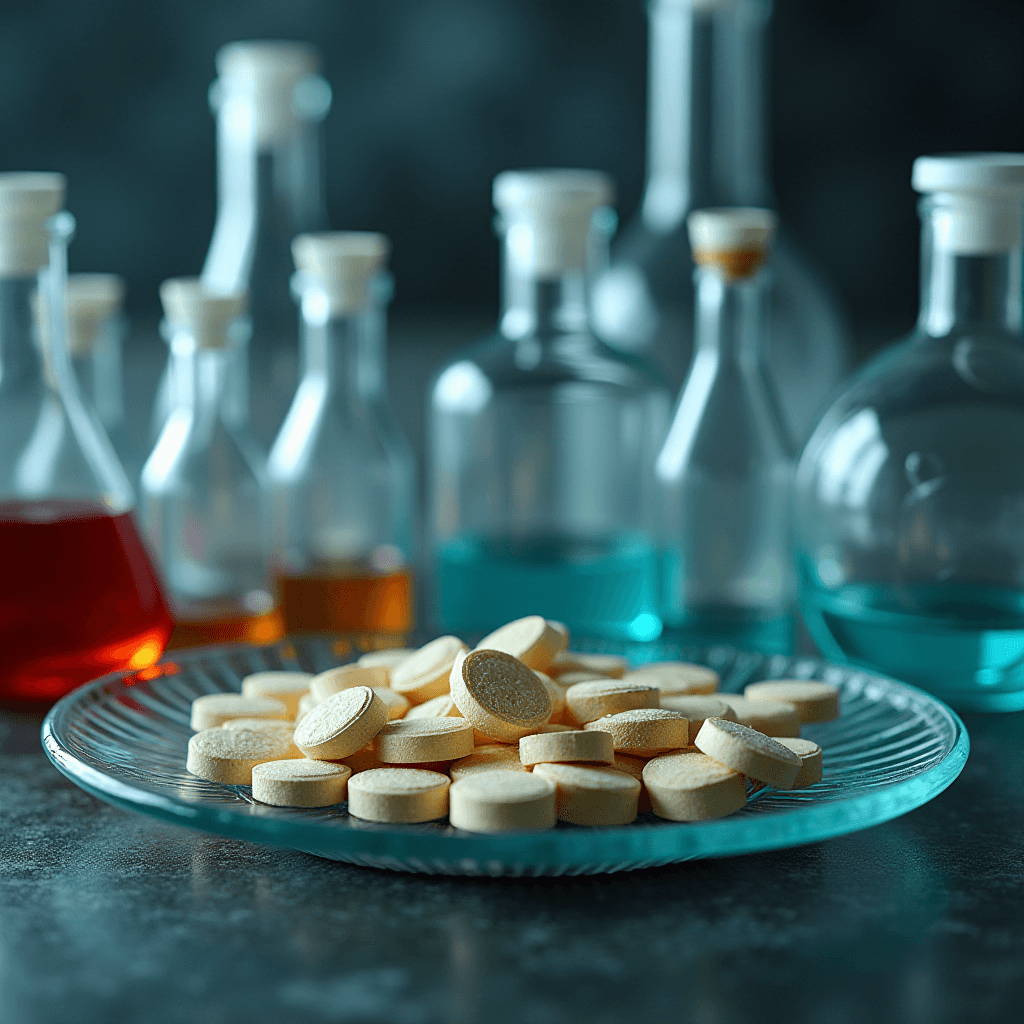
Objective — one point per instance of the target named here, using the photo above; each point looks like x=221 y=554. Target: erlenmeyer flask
x=80 y=596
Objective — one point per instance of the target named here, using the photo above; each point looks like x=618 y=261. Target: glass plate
x=123 y=738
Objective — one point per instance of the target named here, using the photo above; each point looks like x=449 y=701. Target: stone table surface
x=106 y=915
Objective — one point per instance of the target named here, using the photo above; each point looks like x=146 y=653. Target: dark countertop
x=106 y=915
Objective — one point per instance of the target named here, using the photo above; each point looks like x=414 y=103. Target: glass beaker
x=910 y=493
x=342 y=475
x=707 y=147
x=269 y=103
x=725 y=472
x=204 y=501
x=80 y=596
x=541 y=439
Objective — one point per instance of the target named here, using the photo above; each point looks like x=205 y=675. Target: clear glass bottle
x=204 y=501
x=725 y=472
x=541 y=439
x=910 y=493
x=269 y=103
x=80 y=596
x=707 y=147
x=96 y=328
x=342 y=475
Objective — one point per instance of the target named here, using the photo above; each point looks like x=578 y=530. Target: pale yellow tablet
x=300 y=782
x=396 y=704
x=334 y=680
x=634 y=766
x=215 y=709
x=399 y=795
x=772 y=717
x=282 y=730
x=591 y=795
x=814 y=701
x=414 y=741
x=229 y=755
x=574 y=745
x=340 y=725
x=748 y=751
x=589 y=701
x=533 y=640
x=610 y=665
x=493 y=756
x=502 y=801
x=810 y=755
x=644 y=732
x=287 y=687
x=388 y=658
x=696 y=709
x=306 y=704
x=678 y=677
x=690 y=786
x=501 y=696
x=425 y=674
x=557 y=695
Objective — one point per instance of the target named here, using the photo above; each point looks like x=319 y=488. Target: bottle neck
x=200 y=378
x=706 y=139
x=344 y=355
x=732 y=315
x=961 y=288
x=20 y=362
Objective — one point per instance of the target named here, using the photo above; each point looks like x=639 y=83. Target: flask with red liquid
x=79 y=596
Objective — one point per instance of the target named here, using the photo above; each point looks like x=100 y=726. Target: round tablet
x=334 y=680
x=229 y=755
x=689 y=786
x=772 y=717
x=589 y=795
x=306 y=704
x=287 y=687
x=610 y=665
x=413 y=741
x=273 y=726
x=574 y=745
x=399 y=795
x=558 y=727
x=425 y=674
x=679 y=677
x=748 y=751
x=696 y=709
x=814 y=701
x=300 y=782
x=389 y=658
x=531 y=639
x=497 y=693
x=556 y=693
x=644 y=732
x=215 y=709
x=396 y=704
x=436 y=707
x=490 y=757
x=599 y=697
x=563 y=635
x=340 y=725
x=634 y=766
x=502 y=801
x=810 y=755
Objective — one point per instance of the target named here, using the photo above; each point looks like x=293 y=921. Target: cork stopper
x=341 y=266
x=204 y=314
x=731 y=240
x=27 y=201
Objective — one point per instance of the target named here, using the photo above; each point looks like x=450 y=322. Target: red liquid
x=79 y=598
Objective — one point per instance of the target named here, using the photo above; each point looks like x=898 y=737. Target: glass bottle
x=204 y=501
x=910 y=493
x=707 y=147
x=725 y=471
x=96 y=328
x=269 y=104
x=541 y=438
x=342 y=475
x=80 y=596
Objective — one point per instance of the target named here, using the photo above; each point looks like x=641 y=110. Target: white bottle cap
x=91 y=300
x=547 y=216
x=204 y=314
x=978 y=207
x=341 y=264
x=28 y=199
x=734 y=240
x=259 y=77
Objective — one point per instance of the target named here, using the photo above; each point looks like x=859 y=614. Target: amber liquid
x=347 y=599
x=79 y=598
x=224 y=622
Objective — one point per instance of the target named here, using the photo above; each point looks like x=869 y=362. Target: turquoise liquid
x=965 y=644
x=605 y=587
x=706 y=627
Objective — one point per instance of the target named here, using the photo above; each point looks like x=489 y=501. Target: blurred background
x=433 y=97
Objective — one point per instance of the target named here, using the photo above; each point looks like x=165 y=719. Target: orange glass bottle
x=341 y=473
x=79 y=594
x=203 y=493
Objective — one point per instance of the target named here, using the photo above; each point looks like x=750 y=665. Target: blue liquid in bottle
x=605 y=587
x=965 y=644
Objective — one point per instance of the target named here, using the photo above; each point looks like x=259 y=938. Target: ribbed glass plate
x=123 y=738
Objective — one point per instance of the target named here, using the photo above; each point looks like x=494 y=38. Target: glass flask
x=342 y=475
x=204 y=502
x=725 y=472
x=910 y=493
x=541 y=439
x=269 y=103
x=80 y=596
x=707 y=147
x=96 y=328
